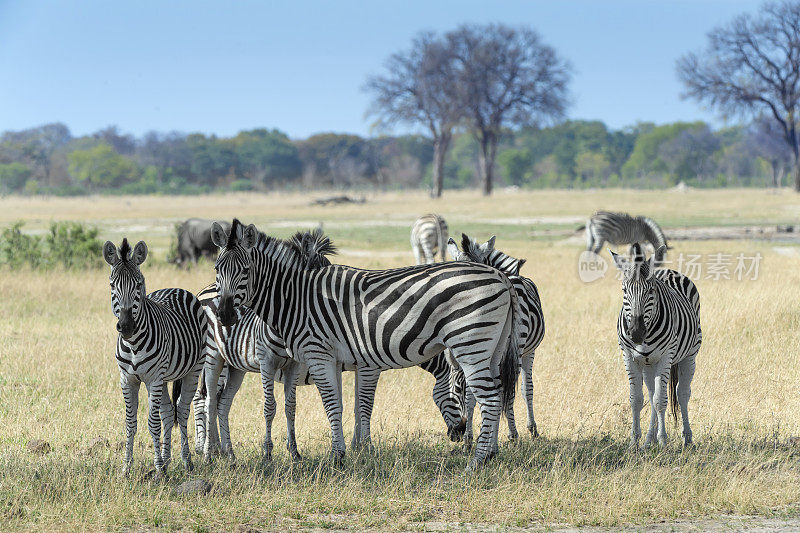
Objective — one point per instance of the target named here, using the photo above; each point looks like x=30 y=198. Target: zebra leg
x=513 y=434
x=327 y=377
x=154 y=392
x=650 y=379
x=199 y=405
x=527 y=389
x=268 y=384
x=212 y=370
x=130 y=392
x=684 y=392
x=290 y=406
x=489 y=403
x=469 y=411
x=445 y=399
x=188 y=389
x=232 y=385
x=634 y=371
x=417 y=252
x=427 y=251
x=660 y=395
x=589 y=236
x=366 y=383
x=167 y=412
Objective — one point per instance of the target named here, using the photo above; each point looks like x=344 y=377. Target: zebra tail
x=673 y=393
x=176 y=393
x=509 y=364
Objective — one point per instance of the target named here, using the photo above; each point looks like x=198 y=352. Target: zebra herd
x=282 y=309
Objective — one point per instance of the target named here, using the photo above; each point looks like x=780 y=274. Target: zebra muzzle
x=225 y=311
x=126 y=325
x=637 y=330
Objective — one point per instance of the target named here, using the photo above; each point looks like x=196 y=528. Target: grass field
x=59 y=383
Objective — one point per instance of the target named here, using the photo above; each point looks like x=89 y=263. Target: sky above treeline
x=300 y=66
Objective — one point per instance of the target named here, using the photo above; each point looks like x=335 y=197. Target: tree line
x=491 y=100
x=571 y=154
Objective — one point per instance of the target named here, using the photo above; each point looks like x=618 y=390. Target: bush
x=18 y=249
x=69 y=245
x=241 y=185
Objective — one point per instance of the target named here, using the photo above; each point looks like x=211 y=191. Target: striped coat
x=376 y=320
x=428 y=236
x=621 y=228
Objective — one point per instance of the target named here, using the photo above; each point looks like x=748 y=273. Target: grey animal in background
x=194 y=240
x=429 y=235
x=621 y=228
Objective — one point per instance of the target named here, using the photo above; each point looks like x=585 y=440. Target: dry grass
x=58 y=382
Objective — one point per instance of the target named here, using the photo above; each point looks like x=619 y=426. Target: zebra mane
x=640 y=266
x=125 y=250
x=313 y=246
x=477 y=253
x=233 y=236
x=309 y=255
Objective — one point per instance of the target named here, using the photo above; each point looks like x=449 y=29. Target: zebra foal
x=376 y=320
x=659 y=334
x=621 y=228
x=429 y=236
x=162 y=337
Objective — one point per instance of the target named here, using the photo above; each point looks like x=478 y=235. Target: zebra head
x=484 y=253
x=233 y=267
x=127 y=283
x=638 y=291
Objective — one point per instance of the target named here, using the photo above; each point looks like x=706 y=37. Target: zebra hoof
x=534 y=432
x=337 y=457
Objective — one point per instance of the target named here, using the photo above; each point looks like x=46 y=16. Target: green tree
x=644 y=158
x=515 y=164
x=101 y=167
x=266 y=156
x=13 y=176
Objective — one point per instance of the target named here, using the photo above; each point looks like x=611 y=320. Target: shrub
x=69 y=245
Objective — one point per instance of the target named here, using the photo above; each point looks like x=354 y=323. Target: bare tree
x=764 y=138
x=752 y=66
x=506 y=77
x=419 y=88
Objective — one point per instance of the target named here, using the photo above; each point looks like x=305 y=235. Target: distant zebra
x=659 y=334
x=428 y=236
x=530 y=334
x=376 y=320
x=621 y=228
x=162 y=337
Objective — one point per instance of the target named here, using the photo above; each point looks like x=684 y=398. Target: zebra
x=621 y=228
x=162 y=337
x=659 y=334
x=530 y=334
x=376 y=320
x=429 y=235
x=251 y=340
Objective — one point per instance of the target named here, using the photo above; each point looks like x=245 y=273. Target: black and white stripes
x=162 y=337
x=621 y=228
x=659 y=334
x=376 y=320
x=428 y=236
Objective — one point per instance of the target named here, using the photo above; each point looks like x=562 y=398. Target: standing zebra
x=531 y=331
x=659 y=334
x=621 y=228
x=251 y=340
x=252 y=346
x=162 y=337
x=376 y=320
x=428 y=236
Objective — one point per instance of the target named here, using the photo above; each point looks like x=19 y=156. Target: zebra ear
x=249 y=237
x=620 y=261
x=110 y=253
x=452 y=249
x=490 y=243
x=218 y=235
x=660 y=253
x=139 y=252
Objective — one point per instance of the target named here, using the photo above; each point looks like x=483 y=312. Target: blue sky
x=299 y=66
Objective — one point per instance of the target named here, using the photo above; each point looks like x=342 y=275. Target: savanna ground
x=59 y=383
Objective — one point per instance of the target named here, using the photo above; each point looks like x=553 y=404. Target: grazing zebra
x=376 y=320
x=659 y=334
x=621 y=228
x=531 y=331
x=428 y=235
x=162 y=337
